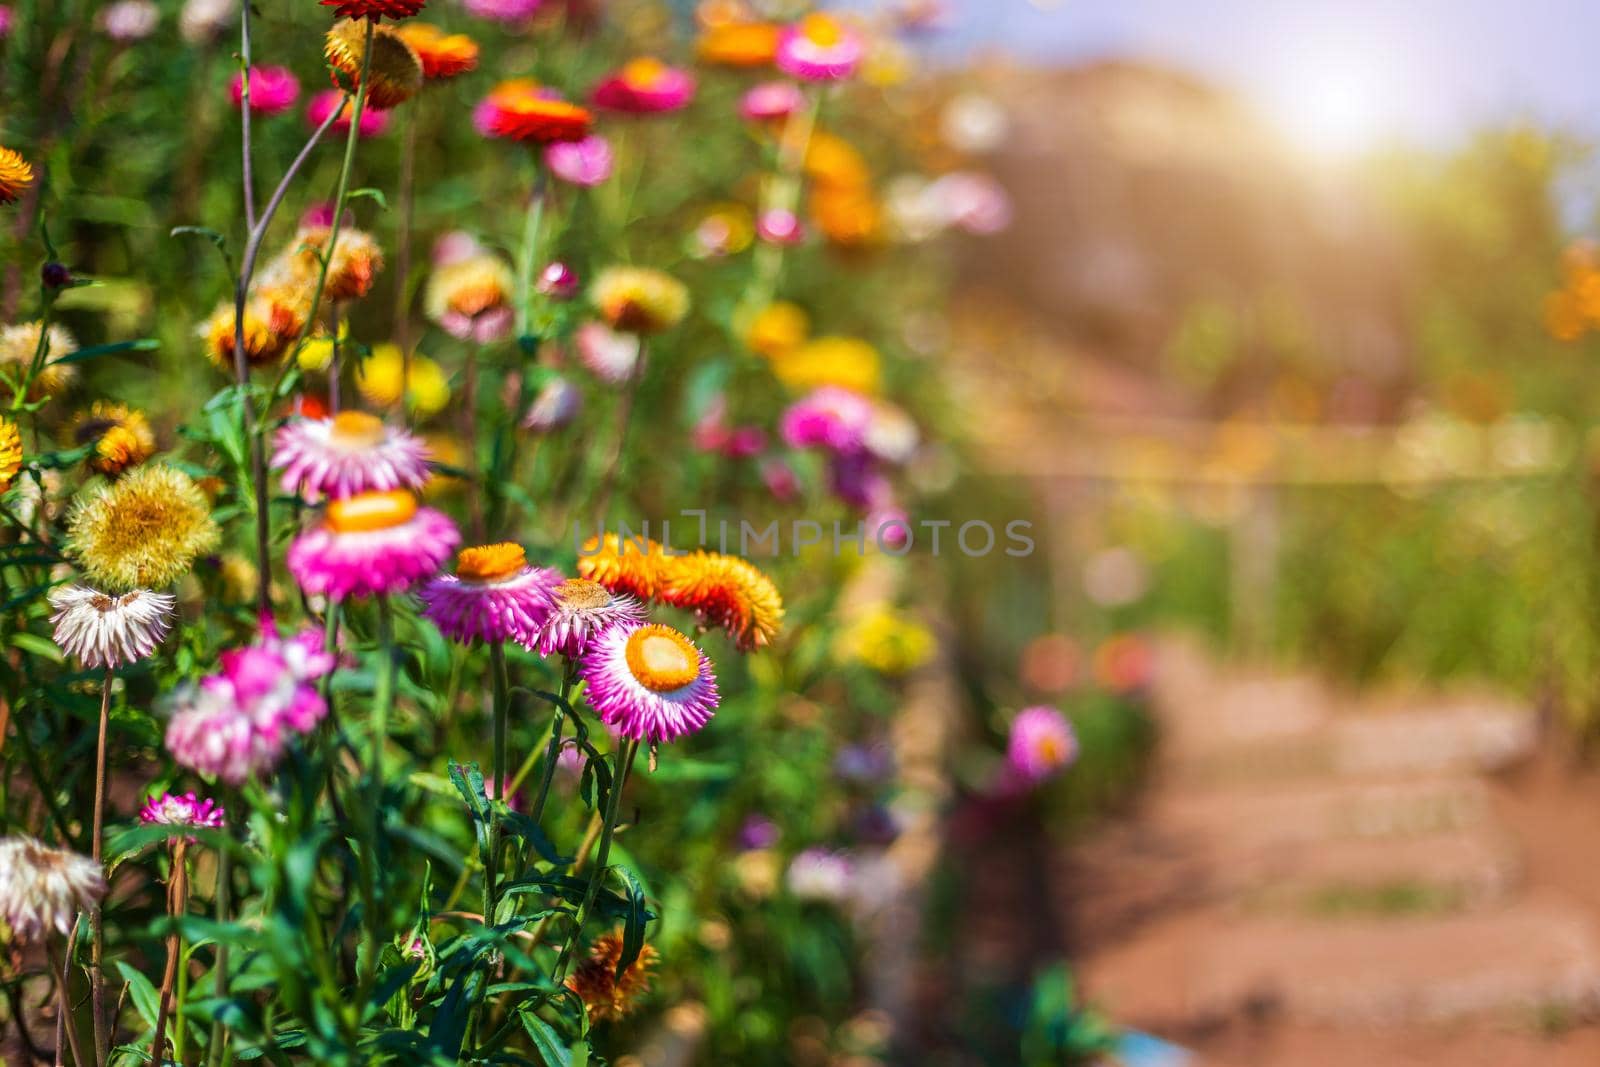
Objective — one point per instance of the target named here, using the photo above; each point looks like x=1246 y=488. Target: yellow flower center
x=357 y=429
x=580 y=594
x=372 y=511
x=821 y=30
x=644 y=72
x=662 y=659
x=1051 y=751
x=490 y=563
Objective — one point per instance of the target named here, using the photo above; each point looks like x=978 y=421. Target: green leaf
x=38 y=646
x=552 y=1050
x=374 y=194
x=84 y=355
x=145 y=997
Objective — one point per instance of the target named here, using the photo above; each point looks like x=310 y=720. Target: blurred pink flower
x=780 y=227
x=771 y=101
x=558 y=281
x=830 y=417
x=273 y=90
x=5 y=19
x=130 y=20
x=503 y=10
x=645 y=86
x=455 y=246
x=1040 y=746
x=781 y=481
x=587 y=162
x=373 y=121
x=820 y=47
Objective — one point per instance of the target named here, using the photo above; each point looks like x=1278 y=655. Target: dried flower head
x=15 y=175
x=355 y=263
x=395 y=73
x=272 y=321
x=640 y=299
x=605 y=994
x=121 y=436
x=101 y=630
x=43 y=888
x=19 y=343
x=144 y=530
x=443 y=55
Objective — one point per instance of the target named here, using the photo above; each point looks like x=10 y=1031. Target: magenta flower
x=5 y=20
x=583 y=611
x=780 y=227
x=503 y=10
x=187 y=810
x=830 y=417
x=645 y=86
x=559 y=281
x=649 y=682
x=273 y=90
x=236 y=723
x=781 y=481
x=588 y=162
x=1040 y=746
x=494 y=596
x=820 y=48
x=372 y=544
x=373 y=121
x=350 y=453
x=771 y=102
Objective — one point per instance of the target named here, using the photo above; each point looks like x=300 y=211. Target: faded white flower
x=43 y=888
x=204 y=20
x=130 y=20
x=102 y=630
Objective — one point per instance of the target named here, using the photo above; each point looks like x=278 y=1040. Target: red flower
x=375 y=9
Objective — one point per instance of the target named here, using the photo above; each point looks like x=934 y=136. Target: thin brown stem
x=97 y=948
x=177 y=904
x=469 y=440
x=630 y=397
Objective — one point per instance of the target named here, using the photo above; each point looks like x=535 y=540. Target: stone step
x=1508 y=964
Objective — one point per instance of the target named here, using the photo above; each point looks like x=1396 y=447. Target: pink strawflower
x=494 y=596
x=503 y=10
x=372 y=544
x=187 y=810
x=820 y=48
x=350 y=453
x=273 y=90
x=645 y=86
x=607 y=354
x=780 y=227
x=781 y=481
x=974 y=203
x=559 y=282
x=583 y=610
x=1041 y=745
x=829 y=417
x=106 y=630
x=373 y=121
x=821 y=874
x=889 y=526
x=5 y=20
x=856 y=479
x=127 y=21
x=555 y=406
x=771 y=102
x=649 y=682
x=236 y=723
x=588 y=162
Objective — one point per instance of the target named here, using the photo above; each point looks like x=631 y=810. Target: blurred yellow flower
x=427 y=389
x=396 y=69
x=19 y=343
x=834 y=163
x=778 y=329
x=847 y=216
x=121 y=436
x=640 y=299
x=317 y=355
x=10 y=453
x=885 y=640
x=848 y=362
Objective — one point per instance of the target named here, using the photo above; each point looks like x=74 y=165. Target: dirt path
x=1315 y=880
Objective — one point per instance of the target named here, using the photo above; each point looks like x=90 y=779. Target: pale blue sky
x=1351 y=71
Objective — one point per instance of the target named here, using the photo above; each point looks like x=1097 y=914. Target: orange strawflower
x=443 y=55
x=520 y=110
x=740 y=44
x=633 y=566
x=605 y=995
x=727 y=592
x=15 y=175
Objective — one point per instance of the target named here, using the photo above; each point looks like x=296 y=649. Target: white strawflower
x=204 y=20
x=44 y=889
x=102 y=630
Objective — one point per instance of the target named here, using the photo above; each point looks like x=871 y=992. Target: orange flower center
x=662 y=659
x=357 y=429
x=490 y=563
x=822 y=30
x=645 y=72
x=1051 y=750
x=372 y=511
x=582 y=595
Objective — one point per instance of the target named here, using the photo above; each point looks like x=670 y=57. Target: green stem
x=224 y=905
x=502 y=689
x=526 y=254
x=40 y=352
x=382 y=700
x=552 y=753
x=625 y=755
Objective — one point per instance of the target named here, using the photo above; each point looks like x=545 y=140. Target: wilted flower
x=582 y=610
x=44 y=889
x=144 y=530
x=235 y=723
x=350 y=453
x=504 y=10
x=821 y=874
x=100 y=630
x=495 y=595
x=186 y=810
x=394 y=74
x=554 y=406
x=471 y=298
x=1041 y=744
x=645 y=86
x=606 y=995
x=587 y=162
x=521 y=110
x=130 y=20
x=771 y=102
x=373 y=120
x=607 y=354
x=640 y=299
x=443 y=55
x=649 y=682
x=273 y=90
x=19 y=343
x=371 y=544
x=15 y=175
x=121 y=437
x=272 y=321
x=724 y=591
x=820 y=48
